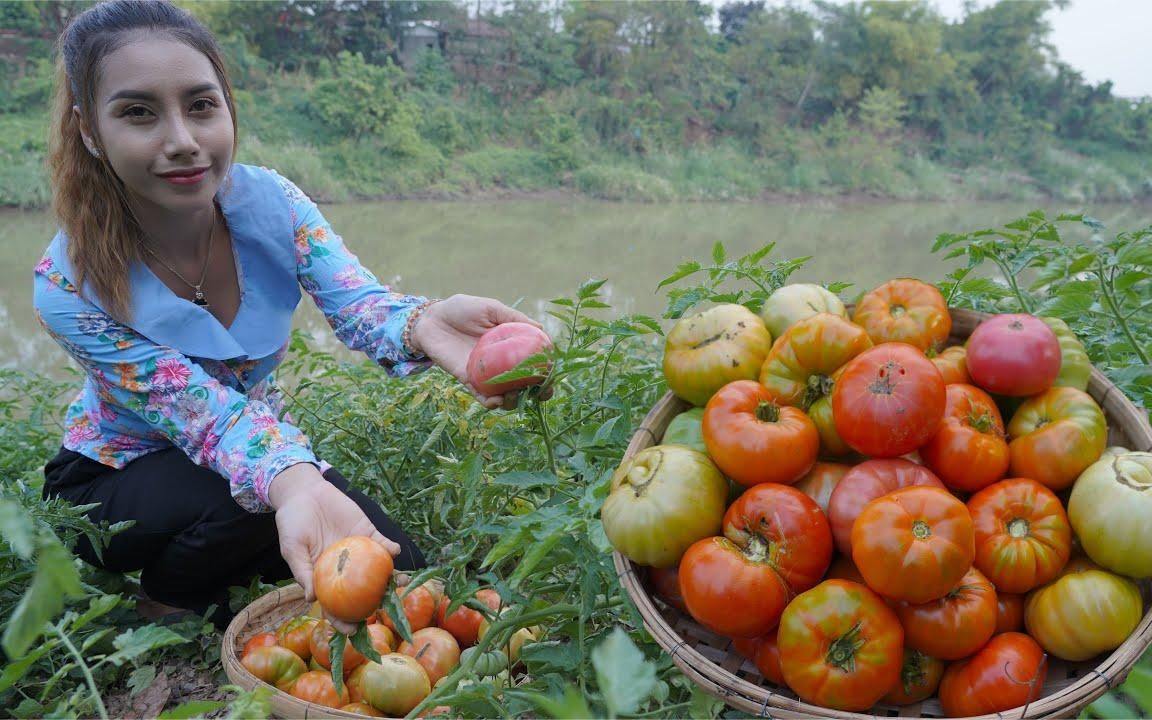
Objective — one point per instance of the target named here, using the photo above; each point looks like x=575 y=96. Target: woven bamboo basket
x=710 y=661
x=265 y=614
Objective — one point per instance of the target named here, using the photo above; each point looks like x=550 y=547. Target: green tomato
x=663 y=499
x=1075 y=365
x=792 y=303
x=685 y=429
x=1109 y=509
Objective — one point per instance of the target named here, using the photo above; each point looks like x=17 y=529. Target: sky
x=1103 y=39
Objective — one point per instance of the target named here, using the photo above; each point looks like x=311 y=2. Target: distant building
x=477 y=50
x=417 y=37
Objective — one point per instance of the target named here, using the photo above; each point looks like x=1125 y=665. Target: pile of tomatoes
x=352 y=578
x=847 y=503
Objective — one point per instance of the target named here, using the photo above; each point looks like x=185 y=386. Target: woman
x=172 y=283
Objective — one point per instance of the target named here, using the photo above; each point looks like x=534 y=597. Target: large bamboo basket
x=265 y=614
x=711 y=662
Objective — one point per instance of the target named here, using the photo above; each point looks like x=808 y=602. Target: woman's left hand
x=448 y=330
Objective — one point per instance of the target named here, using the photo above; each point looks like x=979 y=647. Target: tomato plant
x=905 y=310
x=1055 y=436
x=1023 y=538
x=274 y=665
x=919 y=677
x=705 y=351
x=1008 y=672
x=792 y=303
x=661 y=500
x=913 y=544
x=753 y=439
x=1013 y=354
x=501 y=349
x=316 y=686
x=351 y=576
x=865 y=482
x=888 y=401
x=1084 y=612
x=776 y=543
x=840 y=646
x=394 y=686
x=1109 y=509
x=805 y=357
x=969 y=451
x=955 y=625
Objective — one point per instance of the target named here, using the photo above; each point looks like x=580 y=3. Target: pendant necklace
x=198 y=298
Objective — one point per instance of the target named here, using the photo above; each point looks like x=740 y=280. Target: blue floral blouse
x=175 y=376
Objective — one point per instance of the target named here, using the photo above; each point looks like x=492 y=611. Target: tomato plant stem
x=88 y=679
x=1106 y=288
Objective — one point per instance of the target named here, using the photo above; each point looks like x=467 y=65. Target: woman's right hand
x=311 y=514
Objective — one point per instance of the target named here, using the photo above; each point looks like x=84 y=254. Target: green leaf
x=18 y=528
x=551 y=656
x=1138 y=686
x=684 y=270
x=718 y=254
x=1108 y=706
x=624 y=677
x=141 y=678
x=1137 y=253
x=394 y=607
x=362 y=641
x=13 y=671
x=135 y=642
x=336 y=645
x=525 y=479
x=572 y=706
x=193 y=709
x=56 y=578
x=535 y=555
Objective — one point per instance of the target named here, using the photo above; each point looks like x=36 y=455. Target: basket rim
x=759 y=698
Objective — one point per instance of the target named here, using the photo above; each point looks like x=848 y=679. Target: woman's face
x=162 y=121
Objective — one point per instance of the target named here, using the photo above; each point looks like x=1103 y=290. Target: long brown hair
x=89 y=199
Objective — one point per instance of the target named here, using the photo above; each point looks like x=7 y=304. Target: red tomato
x=665 y=584
x=777 y=543
x=864 y=483
x=840 y=646
x=435 y=649
x=905 y=310
x=753 y=439
x=919 y=677
x=464 y=622
x=969 y=451
x=316 y=687
x=1023 y=538
x=764 y=652
x=913 y=544
x=501 y=349
x=362 y=708
x=1013 y=354
x=821 y=481
x=888 y=401
x=1009 y=612
x=956 y=625
x=320 y=645
x=383 y=638
x=274 y=665
x=1006 y=673
x=419 y=607
x=351 y=577
x=266 y=639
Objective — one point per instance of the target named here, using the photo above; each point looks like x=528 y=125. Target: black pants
x=191 y=541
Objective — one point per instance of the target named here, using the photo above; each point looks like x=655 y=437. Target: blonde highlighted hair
x=88 y=198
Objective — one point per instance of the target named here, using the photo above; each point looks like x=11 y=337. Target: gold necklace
x=198 y=298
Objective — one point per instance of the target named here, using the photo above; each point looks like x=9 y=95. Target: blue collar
x=260 y=220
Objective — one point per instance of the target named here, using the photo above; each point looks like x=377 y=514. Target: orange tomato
x=905 y=310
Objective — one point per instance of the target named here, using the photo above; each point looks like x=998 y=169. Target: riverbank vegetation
x=647 y=101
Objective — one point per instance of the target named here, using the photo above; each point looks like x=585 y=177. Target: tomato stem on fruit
x=921 y=530
x=1018 y=527
x=767 y=411
x=842 y=653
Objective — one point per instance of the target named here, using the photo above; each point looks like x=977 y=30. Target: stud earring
x=94 y=151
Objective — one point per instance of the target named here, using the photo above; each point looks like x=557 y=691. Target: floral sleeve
x=364 y=314
x=217 y=427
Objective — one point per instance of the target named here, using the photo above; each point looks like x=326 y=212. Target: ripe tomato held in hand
x=1013 y=354
x=705 y=351
x=753 y=439
x=840 y=646
x=351 y=577
x=501 y=349
x=970 y=450
x=888 y=401
x=1009 y=671
x=913 y=544
x=776 y=543
x=1023 y=538
x=953 y=626
x=905 y=310
x=864 y=483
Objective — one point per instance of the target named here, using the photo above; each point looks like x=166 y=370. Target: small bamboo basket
x=265 y=614
x=711 y=661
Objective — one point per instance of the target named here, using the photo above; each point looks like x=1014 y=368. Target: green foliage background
x=637 y=100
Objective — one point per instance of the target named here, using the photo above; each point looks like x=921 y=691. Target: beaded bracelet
x=410 y=325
